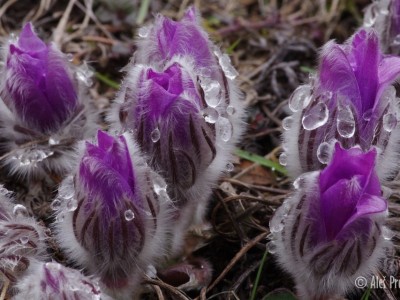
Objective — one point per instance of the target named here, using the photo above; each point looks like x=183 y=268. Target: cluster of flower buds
x=384 y=17
x=113 y=215
x=350 y=100
x=181 y=103
x=44 y=109
x=22 y=240
x=341 y=142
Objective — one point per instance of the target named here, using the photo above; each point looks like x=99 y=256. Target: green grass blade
x=143 y=11
x=106 y=80
x=258 y=276
x=261 y=161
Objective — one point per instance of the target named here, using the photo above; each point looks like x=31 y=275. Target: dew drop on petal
x=24 y=239
x=129 y=215
x=60 y=217
x=396 y=40
x=210 y=115
x=287 y=123
x=144 y=31
x=225 y=129
x=204 y=72
x=230 y=110
x=212 y=93
x=53 y=141
x=324 y=152
x=271 y=247
x=283 y=159
x=367 y=115
x=155 y=135
x=227 y=67
x=70 y=57
x=315 y=117
x=56 y=204
x=300 y=98
x=159 y=184
x=345 y=123
x=72 y=204
x=369 y=20
x=389 y=122
x=387 y=233
x=299 y=183
x=20 y=210
x=275 y=224
x=229 y=167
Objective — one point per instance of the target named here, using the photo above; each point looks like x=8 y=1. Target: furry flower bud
x=44 y=112
x=182 y=105
x=331 y=230
x=52 y=280
x=112 y=216
x=39 y=87
x=351 y=100
x=384 y=17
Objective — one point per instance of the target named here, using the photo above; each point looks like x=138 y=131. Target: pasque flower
x=352 y=100
x=113 y=214
x=180 y=101
x=52 y=280
x=330 y=231
x=44 y=112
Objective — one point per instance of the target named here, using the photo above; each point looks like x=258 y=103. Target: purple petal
x=176 y=38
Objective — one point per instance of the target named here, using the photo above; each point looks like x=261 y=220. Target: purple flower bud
x=112 y=216
x=331 y=230
x=39 y=86
x=54 y=281
x=182 y=105
x=351 y=100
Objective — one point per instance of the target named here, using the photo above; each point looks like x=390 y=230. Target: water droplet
x=271 y=247
x=283 y=159
x=204 y=72
x=367 y=115
x=270 y=236
x=225 y=129
x=396 y=40
x=275 y=224
x=384 y=11
x=144 y=31
x=84 y=74
x=20 y=210
x=369 y=21
x=60 y=217
x=155 y=135
x=229 y=167
x=72 y=204
x=4 y=191
x=53 y=141
x=299 y=183
x=210 y=115
x=24 y=240
x=70 y=57
x=300 y=98
x=230 y=110
x=345 y=123
x=227 y=67
x=129 y=215
x=287 y=123
x=315 y=117
x=387 y=233
x=212 y=93
x=389 y=122
x=56 y=204
x=324 y=152
x=159 y=184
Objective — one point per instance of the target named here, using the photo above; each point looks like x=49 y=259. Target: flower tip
x=29 y=40
x=191 y=14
